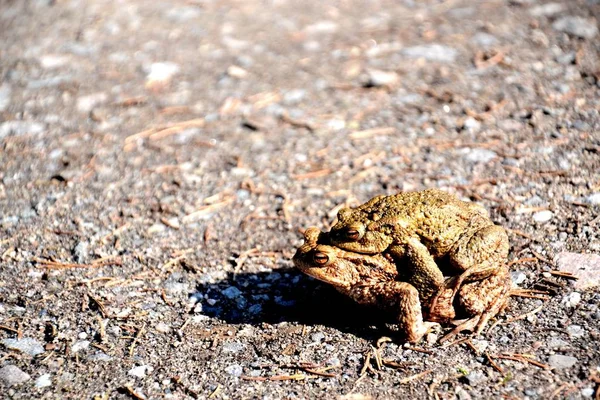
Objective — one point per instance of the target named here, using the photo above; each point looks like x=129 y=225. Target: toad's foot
x=426 y=327
x=467 y=325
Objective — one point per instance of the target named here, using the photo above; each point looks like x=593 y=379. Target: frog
x=372 y=279
x=429 y=233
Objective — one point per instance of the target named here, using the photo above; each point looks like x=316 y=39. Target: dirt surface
x=159 y=159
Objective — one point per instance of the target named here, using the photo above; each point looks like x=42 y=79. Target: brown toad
x=372 y=280
x=419 y=228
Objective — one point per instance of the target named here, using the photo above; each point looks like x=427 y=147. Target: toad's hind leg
x=401 y=298
x=479 y=254
x=483 y=300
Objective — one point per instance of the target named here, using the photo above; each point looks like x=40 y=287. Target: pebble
x=43 y=381
x=255 y=309
x=432 y=52
x=479 y=155
x=588 y=391
x=471 y=124
x=530 y=392
x=141 y=371
x=161 y=73
x=593 y=199
x=237 y=72
x=233 y=347
x=80 y=345
x=543 y=216
x=17 y=128
x=321 y=27
x=572 y=299
x=484 y=39
x=518 y=277
x=480 y=345
x=575 y=331
x=546 y=9
x=182 y=14
x=475 y=377
x=235 y=370
x=174 y=287
x=81 y=252
x=556 y=343
x=12 y=375
x=162 y=327
x=379 y=78
x=317 y=337
x=86 y=103
x=294 y=96
x=231 y=292
x=49 y=82
x=586 y=267
x=462 y=394
x=28 y=346
x=5 y=94
x=577 y=26
x=560 y=361
x=99 y=356
x=52 y=61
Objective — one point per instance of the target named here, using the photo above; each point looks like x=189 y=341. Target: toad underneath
x=372 y=280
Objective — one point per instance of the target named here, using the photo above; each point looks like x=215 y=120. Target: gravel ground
x=159 y=159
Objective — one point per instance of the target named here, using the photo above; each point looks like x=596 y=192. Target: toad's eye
x=321 y=258
x=352 y=234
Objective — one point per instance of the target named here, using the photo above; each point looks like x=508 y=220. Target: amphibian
x=373 y=280
x=420 y=229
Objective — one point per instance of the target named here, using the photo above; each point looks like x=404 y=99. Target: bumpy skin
x=422 y=228
x=373 y=280
x=479 y=300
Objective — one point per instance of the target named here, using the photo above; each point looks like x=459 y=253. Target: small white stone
x=518 y=277
x=51 y=61
x=28 y=346
x=85 y=104
x=5 y=96
x=546 y=9
x=593 y=199
x=43 y=381
x=378 y=78
x=140 y=371
x=235 y=370
x=161 y=72
x=236 y=72
x=162 y=327
x=543 y=216
x=81 y=345
x=575 y=331
x=479 y=155
x=572 y=299
x=321 y=27
x=82 y=335
x=559 y=361
x=12 y=375
x=336 y=124
x=471 y=124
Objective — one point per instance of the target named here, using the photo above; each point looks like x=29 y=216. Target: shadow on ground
x=290 y=296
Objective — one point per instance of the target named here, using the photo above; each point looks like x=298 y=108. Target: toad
x=421 y=231
x=372 y=280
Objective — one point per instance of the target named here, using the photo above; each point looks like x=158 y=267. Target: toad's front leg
x=421 y=269
x=402 y=299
